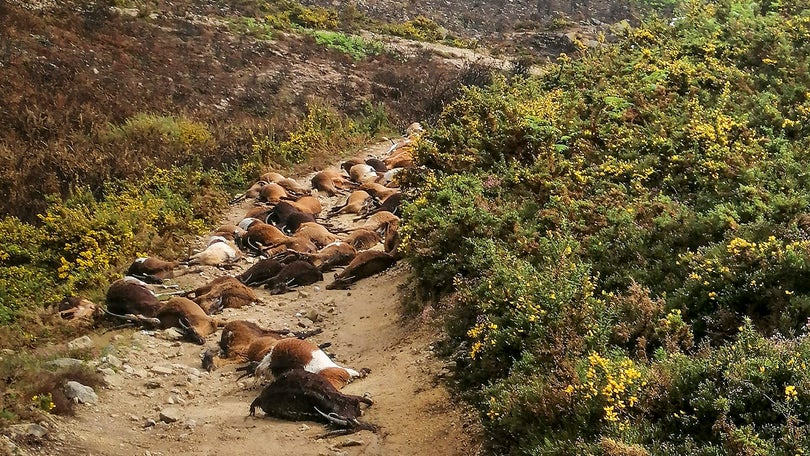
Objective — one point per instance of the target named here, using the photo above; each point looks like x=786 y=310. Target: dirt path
x=412 y=407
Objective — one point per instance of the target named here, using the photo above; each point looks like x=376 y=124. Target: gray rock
x=81 y=343
x=303 y=294
x=165 y=370
x=29 y=429
x=149 y=423
x=314 y=316
x=80 y=393
x=111 y=361
x=105 y=371
x=64 y=363
x=153 y=384
x=173 y=334
x=114 y=380
x=350 y=443
x=170 y=414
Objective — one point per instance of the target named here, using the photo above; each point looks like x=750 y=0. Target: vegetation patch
x=355 y=47
x=622 y=243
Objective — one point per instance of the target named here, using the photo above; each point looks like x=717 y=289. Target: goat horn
x=333 y=418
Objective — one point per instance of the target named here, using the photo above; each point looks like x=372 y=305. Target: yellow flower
x=790 y=393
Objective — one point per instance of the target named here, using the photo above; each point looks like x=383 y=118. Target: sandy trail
x=414 y=410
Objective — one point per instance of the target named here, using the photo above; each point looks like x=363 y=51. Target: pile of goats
x=295 y=244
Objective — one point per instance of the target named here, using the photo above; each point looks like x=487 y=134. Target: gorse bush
x=624 y=240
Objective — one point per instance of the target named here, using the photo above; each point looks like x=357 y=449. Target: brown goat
x=260 y=272
x=187 y=315
x=357 y=201
x=301 y=395
x=316 y=233
x=272 y=177
x=272 y=193
x=363 y=239
x=378 y=191
x=333 y=255
x=245 y=341
x=222 y=292
x=308 y=205
x=289 y=354
x=378 y=220
x=293 y=187
x=130 y=296
x=297 y=273
x=365 y=264
x=362 y=172
x=152 y=269
x=331 y=182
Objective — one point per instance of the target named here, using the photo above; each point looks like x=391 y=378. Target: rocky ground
x=159 y=401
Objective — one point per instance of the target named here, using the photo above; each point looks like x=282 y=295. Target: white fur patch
x=263 y=369
x=319 y=362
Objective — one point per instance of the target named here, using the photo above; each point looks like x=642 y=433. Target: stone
x=81 y=343
x=111 y=361
x=29 y=429
x=173 y=334
x=149 y=423
x=170 y=414
x=114 y=380
x=314 y=316
x=64 y=363
x=80 y=393
x=303 y=294
x=165 y=370
x=153 y=384
x=350 y=443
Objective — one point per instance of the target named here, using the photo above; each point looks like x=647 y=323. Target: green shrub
x=354 y=46
x=420 y=28
x=657 y=189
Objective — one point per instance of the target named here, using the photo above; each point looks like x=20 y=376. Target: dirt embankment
x=151 y=376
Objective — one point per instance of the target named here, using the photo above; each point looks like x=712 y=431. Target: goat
x=272 y=177
x=295 y=220
x=252 y=192
x=79 y=310
x=333 y=255
x=267 y=239
x=130 y=296
x=336 y=254
x=301 y=395
x=152 y=269
x=365 y=264
x=289 y=354
x=363 y=239
x=297 y=273
x=330 y=182
x=378 y=220
x=392 y=239
x=293 y=187
x=272 y=193
x=222 y=292
x=219 y=251
x=284 y=214
x=378 y=191
x=258 y=212
x=377 y=164
x=245 y=341
x=362 y=172
x=187 y=315
x=308 y=205
x=229 y=232
x=390 y=204
x=316 y=233
x=260 y=272
x=347 y=165
x=357 y=201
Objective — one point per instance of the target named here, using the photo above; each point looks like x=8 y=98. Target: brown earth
x=367 y=328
